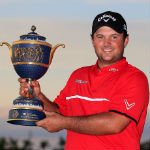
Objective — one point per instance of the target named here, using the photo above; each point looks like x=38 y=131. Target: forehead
x=106 y=30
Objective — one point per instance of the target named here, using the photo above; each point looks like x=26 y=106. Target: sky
x=68 y=22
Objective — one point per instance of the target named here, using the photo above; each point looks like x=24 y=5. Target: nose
x=107 y=42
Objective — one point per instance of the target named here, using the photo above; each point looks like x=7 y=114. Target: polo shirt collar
x=121 y=64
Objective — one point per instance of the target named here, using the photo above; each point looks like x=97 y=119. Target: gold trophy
x=31 y=57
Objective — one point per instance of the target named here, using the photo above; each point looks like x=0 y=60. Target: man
x=102 y=106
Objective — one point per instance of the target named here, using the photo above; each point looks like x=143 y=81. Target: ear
x=126 y=41
x=92 y=40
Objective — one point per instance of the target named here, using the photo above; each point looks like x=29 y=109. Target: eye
x=114 y=37
x=99 y=36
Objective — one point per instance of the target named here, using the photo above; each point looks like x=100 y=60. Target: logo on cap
x=106 y=18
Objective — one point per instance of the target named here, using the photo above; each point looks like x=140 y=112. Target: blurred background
x=68 y=22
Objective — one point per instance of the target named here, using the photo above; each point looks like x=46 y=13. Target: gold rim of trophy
x=21 y=120
x=32 y=42
x=31 y=63
x=26 y=108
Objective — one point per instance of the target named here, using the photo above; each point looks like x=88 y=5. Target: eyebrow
x=117 y=34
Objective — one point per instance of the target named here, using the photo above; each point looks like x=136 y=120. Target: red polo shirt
x=121 y=88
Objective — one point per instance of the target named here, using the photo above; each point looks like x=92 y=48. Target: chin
x=108 y=59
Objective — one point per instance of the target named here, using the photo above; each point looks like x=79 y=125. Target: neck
x=102 y=64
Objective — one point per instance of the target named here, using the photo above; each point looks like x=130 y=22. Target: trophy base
x=25 y=117
x=22 y=122
x=26 y=111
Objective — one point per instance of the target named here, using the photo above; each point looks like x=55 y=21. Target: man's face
x=109 y=45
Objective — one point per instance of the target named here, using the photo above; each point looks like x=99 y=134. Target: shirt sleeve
x=60 y=100
x=131 y=96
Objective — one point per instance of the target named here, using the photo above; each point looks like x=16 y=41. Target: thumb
x=39 y=123
x=48 y=114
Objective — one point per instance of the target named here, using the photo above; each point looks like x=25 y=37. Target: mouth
x=107 y=49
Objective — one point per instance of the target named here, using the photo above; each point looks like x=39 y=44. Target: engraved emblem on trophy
x=31 y=57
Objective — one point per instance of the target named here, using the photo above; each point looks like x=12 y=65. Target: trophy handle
x=9 y=46
x=53 y=51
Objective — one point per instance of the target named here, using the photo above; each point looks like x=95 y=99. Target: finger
x=40 y=123
x=46 y=113
x=49 y=114
x=21 y=80
x=24 y=89
x=23 y=92
x=35 y=83
x=24 y=85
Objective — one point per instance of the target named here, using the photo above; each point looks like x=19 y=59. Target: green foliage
x=13 y=144
x=3 y=143
x=145 y=145
x=44 y=145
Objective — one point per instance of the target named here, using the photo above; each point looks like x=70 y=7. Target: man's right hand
x=24 y=86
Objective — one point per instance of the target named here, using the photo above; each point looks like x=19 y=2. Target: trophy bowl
x=31 y=57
